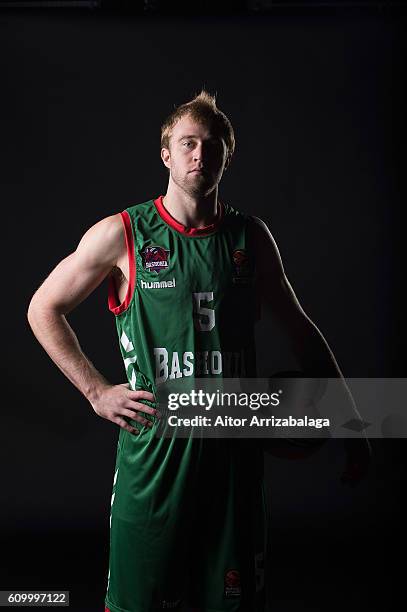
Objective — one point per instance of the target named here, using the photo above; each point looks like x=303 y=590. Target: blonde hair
x=202 y=109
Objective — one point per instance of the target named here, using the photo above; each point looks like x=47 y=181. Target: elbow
x=40 y=316
x=35 y=307
x=32 y=310
x=315 y=357
x=42 y=308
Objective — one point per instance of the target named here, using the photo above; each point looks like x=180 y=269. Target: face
x=196 y=157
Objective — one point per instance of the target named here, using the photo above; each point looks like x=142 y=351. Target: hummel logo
x=157 y=284
x=170 y=604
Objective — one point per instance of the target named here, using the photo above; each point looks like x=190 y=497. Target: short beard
x=201 y=188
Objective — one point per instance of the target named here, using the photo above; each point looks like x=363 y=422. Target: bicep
x=76 y=276
x=69 y=284
x=274 y=291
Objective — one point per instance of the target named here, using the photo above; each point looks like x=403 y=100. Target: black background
x=317 y=101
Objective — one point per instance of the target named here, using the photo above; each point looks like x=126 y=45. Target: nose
x=198 y=153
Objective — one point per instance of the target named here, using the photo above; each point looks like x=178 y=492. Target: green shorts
x=187 y=527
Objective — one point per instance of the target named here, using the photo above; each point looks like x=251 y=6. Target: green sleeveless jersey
x=189 y=312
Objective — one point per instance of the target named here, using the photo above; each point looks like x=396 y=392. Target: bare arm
x=277 y=297
x=309 y=346
x=69 y=284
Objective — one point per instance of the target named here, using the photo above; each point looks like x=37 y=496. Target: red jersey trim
x=113 y=300
x=187 y=231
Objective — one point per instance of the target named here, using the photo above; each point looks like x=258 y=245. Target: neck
x=190 y=210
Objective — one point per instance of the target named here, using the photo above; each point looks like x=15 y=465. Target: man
x=184 y=271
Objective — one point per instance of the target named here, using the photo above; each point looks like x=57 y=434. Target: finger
x=137 y=417
x=124 y=425
x=143 y=421
x=142 y=408
x=141 y=394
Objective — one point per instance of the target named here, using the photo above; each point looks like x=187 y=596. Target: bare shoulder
x=265 y=247
x=78 y=274
x=104 y=241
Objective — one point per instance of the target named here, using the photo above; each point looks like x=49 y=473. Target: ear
x=228 y=157
x=165 y=156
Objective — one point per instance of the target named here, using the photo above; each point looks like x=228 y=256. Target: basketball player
x=185 y=273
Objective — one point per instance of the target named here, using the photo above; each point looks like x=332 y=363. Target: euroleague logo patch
x=155 y=258
x=241 y=267
x=232 y=583
x=239 y=258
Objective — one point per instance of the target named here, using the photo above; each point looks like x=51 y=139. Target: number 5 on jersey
x=204 y=318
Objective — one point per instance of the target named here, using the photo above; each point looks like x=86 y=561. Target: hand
x=116 y=402
x=358 y=459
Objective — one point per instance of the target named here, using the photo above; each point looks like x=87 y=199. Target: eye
x=187 y=143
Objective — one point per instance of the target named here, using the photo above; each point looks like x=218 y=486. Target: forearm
x=317 y=361
x=313 y=353
x=60 y=342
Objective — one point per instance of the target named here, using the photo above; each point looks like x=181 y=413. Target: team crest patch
x=155 y=258
x=241 y=265
x=232 y=583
